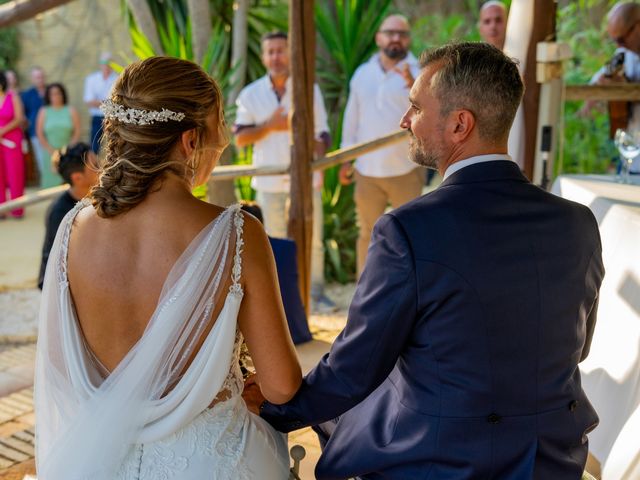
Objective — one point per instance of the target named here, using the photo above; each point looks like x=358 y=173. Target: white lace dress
x=123 y=424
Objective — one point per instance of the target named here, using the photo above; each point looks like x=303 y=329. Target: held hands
x=279 y=121
x=252 y=395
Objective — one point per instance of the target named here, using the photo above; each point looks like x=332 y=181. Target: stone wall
x=66 y=42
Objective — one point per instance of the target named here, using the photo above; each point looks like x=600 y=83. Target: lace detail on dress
x=236 y=271
x=234 y=383
x=215 y=434
x=61 y=261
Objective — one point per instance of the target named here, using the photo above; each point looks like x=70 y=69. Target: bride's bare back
x=117 y=268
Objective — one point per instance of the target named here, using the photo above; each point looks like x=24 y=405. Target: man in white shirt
x=492 y=24
x=97 y=87
x=262 y=121
x=378 y=96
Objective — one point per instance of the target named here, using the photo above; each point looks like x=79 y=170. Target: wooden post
x=544 y=27
x=302 y=44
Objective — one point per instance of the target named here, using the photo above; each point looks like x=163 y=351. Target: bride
x=148 y=295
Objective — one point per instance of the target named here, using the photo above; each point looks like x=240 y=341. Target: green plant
x=586 y=144
x=9 y=46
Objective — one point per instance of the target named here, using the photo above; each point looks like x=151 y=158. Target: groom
x=460 y=354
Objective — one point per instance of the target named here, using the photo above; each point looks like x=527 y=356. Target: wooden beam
x=302 y=44
x=21 y=10
x=627 y=91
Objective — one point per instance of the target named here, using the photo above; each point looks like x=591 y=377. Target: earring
x=194 y=168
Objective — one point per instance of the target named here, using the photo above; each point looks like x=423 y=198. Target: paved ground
x=20 y=245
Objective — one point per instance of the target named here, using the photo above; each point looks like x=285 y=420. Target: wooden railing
x=229 y=172
x=625 y=92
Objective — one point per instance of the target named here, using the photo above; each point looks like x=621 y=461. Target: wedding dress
x=151 y=417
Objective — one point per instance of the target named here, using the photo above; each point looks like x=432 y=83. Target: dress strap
x=236 y=271
x=67 y=222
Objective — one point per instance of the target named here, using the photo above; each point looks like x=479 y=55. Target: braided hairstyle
x=137 y=157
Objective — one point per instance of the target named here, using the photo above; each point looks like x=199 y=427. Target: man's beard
x=424 y=157
x=395 y=52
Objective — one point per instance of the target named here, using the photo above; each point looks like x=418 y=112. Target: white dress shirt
x=256 y=103
x=377 y=102
x=454 y=167
x=96 y=87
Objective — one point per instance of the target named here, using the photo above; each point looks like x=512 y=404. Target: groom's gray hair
x=479 y=78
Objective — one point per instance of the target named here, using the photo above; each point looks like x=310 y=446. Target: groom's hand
x=252 y=395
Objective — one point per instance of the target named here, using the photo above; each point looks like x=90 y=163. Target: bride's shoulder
x=256 y=241
x=83 y=214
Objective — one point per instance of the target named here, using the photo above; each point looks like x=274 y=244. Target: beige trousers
x=372 y=194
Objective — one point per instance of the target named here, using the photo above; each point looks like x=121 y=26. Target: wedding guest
x=57 y=125
x=97 y=86
x=377 y=98
x=12 y=174
x=492 y=24
x=12 y=82
x=478 y=300
x=78 y=166
x=32 y=99
x=262 y=121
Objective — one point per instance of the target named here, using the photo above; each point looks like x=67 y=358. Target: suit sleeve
x=380 y=320
x=595 y=274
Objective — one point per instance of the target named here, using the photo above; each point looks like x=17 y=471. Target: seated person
x=78 y=166
x=284 y=252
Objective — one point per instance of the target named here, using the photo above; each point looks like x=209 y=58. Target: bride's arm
x=262 y=319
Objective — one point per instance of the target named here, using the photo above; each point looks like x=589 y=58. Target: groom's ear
x=188 y=142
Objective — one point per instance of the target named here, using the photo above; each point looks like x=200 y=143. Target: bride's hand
x=252 y=395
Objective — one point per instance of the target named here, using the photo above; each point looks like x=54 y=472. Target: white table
x=611 y=373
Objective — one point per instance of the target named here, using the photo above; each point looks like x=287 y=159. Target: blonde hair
x=137 y=157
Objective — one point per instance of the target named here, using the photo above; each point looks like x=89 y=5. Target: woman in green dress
x=57 y=125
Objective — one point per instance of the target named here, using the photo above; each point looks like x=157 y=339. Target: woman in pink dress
x=11 y=158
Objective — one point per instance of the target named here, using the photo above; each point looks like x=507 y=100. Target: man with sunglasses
x=378 y=97
x=623 y=27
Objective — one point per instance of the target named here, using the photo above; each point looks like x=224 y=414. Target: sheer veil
x=87 y=423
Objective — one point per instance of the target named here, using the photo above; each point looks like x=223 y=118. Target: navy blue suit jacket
x=460 y=355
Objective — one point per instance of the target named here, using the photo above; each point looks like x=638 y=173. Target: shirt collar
x=454 y=167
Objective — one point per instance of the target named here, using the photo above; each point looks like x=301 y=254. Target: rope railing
x=230 y=172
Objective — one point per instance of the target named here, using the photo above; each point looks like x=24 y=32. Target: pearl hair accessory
x=115 y=111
